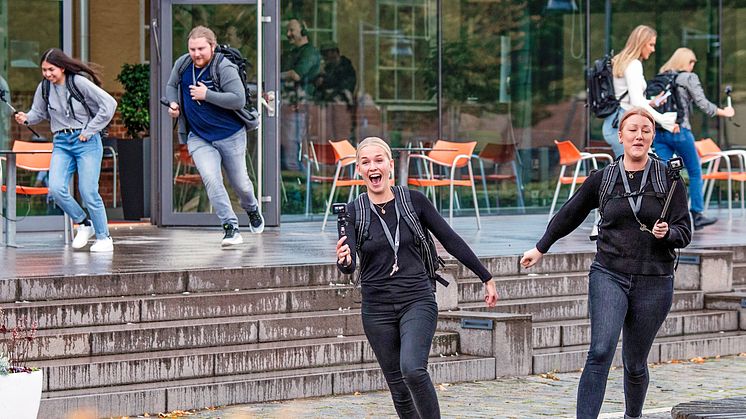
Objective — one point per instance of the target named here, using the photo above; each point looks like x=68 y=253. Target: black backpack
x=75 y=93
x=601 y=97
x=249 y=115
x=423 y=238
x=666 y=82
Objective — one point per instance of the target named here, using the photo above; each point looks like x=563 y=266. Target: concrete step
x=572 y=358
x=147 y=283
x=193 y=333
x=578 y=332
x=131 y=368
x=573 y=306
x=122 y=310
x=550 y=263
x=739 y=274
x=526 y=286
x=152 y=398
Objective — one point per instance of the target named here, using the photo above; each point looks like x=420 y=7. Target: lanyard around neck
x=393 y=241
x=635 y=204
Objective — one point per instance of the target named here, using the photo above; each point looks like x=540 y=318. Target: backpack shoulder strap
x=76 y=94
x=362 y=219
x=184 y=63
x=215 y=69
x=658 y=177
x=45 y=87
x=610 y=174
x=404 y=202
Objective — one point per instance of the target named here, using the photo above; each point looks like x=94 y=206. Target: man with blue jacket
x=210 y=126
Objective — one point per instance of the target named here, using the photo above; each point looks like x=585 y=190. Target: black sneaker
x=256 y=221
x=700 y=220
x=232 y=236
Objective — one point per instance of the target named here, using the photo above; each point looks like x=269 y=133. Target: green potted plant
x=133 y=153
x=20 y=385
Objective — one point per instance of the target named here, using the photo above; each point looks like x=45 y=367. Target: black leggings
x=401 y=336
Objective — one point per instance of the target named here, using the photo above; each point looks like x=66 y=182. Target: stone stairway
x=701 y=323
x=138 y=343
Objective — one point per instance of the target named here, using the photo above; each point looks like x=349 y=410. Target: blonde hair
x=639 y=37
x=635 y=111
x=373 y=141
x=679 y=61
x=203 y=32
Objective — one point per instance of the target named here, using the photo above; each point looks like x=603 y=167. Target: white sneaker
x=232 y=236
x=82 y=234
x=103 y=245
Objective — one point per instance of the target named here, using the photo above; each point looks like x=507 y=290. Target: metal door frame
x=268 y=64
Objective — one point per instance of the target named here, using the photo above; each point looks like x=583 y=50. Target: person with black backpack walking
x=686 y=90
x=644 y=218
x=629 y=85
x=392 y=243
x=78 y=109
x=206 y=94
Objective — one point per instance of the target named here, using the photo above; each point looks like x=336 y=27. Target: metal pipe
x=84 y=30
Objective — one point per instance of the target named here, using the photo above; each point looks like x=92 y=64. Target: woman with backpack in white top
x=629 y=86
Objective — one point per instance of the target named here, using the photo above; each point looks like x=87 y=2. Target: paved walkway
x=528 y=397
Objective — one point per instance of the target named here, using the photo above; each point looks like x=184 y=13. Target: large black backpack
x=666 y=82
x=423 y=238
x=601 y=98
x=249 y=114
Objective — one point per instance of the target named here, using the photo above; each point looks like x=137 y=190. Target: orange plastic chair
x=185 y=174
x=319 y=154
x=711 y=155
x=569 y=155
x=344 y=155
x=35 y=163
x=455 y=156
x=498 y=154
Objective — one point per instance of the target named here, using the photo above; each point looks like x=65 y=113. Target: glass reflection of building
x=507 y=72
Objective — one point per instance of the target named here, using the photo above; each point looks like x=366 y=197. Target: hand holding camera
x=343 y=249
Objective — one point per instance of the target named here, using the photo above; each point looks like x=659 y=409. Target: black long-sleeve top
x=410 y=282
x=621 y=245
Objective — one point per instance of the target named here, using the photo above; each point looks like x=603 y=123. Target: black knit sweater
x=621 y=245
x=410 y=282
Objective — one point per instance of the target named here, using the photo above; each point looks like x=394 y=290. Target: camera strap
x=393 y=241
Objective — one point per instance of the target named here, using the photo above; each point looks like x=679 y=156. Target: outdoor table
x=9 y=215
x=403 y=157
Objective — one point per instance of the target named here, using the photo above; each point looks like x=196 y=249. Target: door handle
x=269 y=102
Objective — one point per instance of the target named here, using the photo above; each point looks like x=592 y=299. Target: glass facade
x=24 y=36
x=503 y=72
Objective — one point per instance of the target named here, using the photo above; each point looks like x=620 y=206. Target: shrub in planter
x=134 y=108
x=20 y=385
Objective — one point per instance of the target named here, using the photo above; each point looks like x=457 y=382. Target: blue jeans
x=71 y=154
x=611 y=134
x=636 y=304
x=231 y=154
x=666 y=143
x=401 y=336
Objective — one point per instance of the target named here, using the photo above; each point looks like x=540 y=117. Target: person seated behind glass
x=338 y=79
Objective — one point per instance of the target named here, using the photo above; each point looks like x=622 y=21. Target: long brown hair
x=57 y=58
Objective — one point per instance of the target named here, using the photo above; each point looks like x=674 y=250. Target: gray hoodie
x=232 y=96
x=691 y=92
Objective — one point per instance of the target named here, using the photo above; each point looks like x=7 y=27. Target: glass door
x=179 y=196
